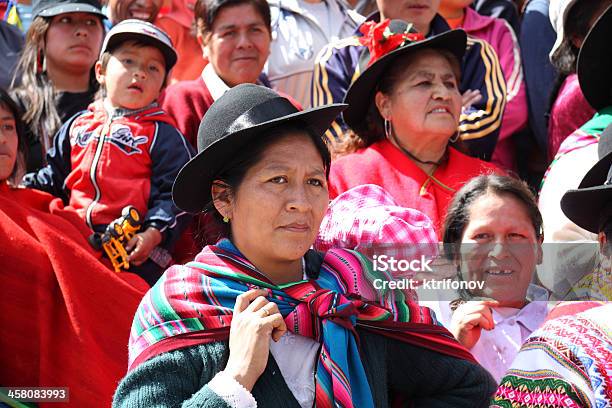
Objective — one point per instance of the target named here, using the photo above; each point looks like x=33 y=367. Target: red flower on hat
x=381 y=41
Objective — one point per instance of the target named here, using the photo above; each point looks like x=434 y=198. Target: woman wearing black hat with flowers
x=404 y=109
x=54 y=77
x=202 y=335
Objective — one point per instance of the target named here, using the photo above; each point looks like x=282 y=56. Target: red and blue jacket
x=338 y=65
x=103 y=161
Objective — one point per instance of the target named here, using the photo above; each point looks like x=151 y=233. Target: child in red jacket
x=124 y=150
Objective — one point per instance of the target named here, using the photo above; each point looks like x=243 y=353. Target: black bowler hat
x=595 y=63
x=240 y=116
x=361 y=93
x=590 y=206
x=50 y=8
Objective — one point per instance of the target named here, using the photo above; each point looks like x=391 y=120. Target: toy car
x=117 y=235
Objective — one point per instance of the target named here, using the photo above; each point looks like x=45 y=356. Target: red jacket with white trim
x=103 y=161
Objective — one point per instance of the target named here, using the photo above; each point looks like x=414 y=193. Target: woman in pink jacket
x=501 y=36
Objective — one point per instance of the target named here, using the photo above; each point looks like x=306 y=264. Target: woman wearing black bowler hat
x=202 y=335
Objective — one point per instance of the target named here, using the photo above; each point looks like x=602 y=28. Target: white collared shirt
x=497 y=348
x=213 y=82
x=296 y=357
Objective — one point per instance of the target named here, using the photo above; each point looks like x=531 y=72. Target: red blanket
x=65 y=317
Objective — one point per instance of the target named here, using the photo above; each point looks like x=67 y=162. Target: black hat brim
x=595 y=63
x=585 y=206
x=597 y=175
x=71 y=8
x=191 y=189
x=361 y=93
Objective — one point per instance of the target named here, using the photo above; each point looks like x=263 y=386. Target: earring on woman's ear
x=41 y=63
x=226 y=219
x=388 y=129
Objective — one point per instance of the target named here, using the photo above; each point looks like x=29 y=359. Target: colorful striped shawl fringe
x=193 y=304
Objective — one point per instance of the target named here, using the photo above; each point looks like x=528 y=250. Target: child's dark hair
x=105 y=58
x=7 y=103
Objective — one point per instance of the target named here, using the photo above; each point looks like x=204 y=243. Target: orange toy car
x=116 y=236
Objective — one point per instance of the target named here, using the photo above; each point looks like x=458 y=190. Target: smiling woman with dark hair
x=568 y=359
x=259 y=319
x=493 y=233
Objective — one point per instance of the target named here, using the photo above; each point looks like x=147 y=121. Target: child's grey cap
x=133 y=29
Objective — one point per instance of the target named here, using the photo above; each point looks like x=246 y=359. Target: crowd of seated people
x=222 y=175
